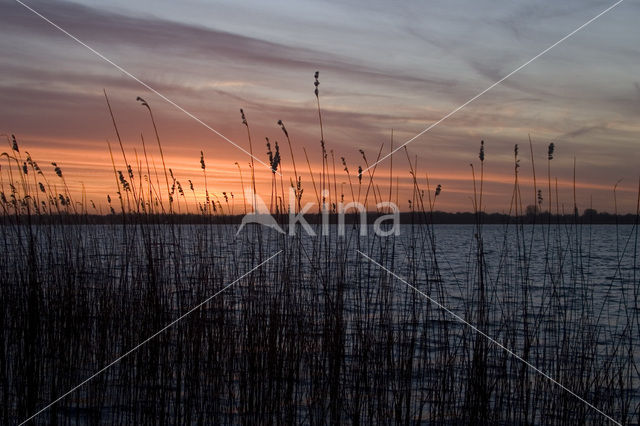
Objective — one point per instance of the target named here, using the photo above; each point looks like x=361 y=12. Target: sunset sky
x=383 y=65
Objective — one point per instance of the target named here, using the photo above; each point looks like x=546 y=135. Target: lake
x=320 y=333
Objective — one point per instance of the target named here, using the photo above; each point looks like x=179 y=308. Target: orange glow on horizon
x=89 y=174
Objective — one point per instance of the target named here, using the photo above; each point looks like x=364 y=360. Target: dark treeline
x=438 y=217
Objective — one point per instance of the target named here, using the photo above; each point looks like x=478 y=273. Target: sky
x=384 y=67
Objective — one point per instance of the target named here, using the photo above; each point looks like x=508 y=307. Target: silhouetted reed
x=319 y=335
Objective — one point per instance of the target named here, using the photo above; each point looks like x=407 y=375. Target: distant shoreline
x=437 y=217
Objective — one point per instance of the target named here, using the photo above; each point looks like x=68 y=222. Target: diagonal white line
x=148 y=87
x=495 y=342
x=495 y=84
x=130 y=351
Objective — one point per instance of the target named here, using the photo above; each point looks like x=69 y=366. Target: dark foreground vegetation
x=319 y=334
x=316 y=335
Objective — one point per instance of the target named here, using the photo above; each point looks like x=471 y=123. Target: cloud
x=584 y=130
x=401 y=67
x=174 y=40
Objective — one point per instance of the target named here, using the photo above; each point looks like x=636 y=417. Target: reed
x=321 y=335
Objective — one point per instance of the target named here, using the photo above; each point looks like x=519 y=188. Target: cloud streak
x=399 y=68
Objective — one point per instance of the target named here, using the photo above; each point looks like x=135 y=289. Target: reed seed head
x=123 y=181
x=284 y=129
x=142 y=101
x=57 y=170
x=276 y=158
x=344 y=163
x=269 y=153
